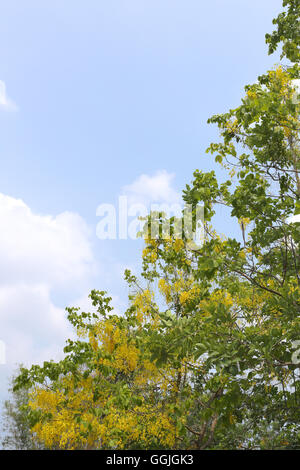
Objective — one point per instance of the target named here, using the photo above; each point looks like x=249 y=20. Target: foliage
x=288 y=31
x=202 y=358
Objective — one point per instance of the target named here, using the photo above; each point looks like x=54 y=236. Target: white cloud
x=39 y=248
x=293 y=219
x=6 y=103
x=148 y=189
x=32 y=327
x=40 y=256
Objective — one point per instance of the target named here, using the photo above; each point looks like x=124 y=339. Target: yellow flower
x=251 y=94
x=165 y=289
x=184 y=297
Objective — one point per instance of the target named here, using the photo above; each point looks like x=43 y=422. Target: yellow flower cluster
x=148 y=373
x=218 y=297
x=232 y=126
x=109 y=335
x=178 y=244
x=281 y=77
x=144 y=424
x=126 y=357
x=143 y=302
x=149 y=252
x=115 y=341
x=184 y=289
x=185 y=297
x=251 y=94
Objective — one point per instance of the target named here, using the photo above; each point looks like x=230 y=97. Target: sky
x=100 y=99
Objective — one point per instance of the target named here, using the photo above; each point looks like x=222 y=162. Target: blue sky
x=103 y=92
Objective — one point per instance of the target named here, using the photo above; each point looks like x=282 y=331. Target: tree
x=15 y=421
x=203 y=357
x=287 y=32
x=106 y=393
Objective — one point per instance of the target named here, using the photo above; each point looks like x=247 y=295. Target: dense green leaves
x=287 y=32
